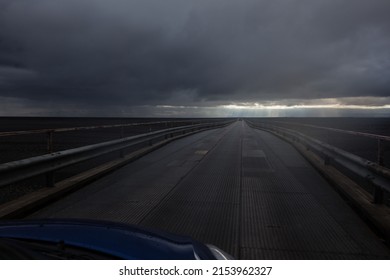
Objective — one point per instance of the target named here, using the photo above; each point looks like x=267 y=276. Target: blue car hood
x=114 y=239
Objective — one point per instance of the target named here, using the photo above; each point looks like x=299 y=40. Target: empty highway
x=243 y=190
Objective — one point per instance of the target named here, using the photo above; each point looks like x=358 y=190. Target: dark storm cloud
x=138 y=52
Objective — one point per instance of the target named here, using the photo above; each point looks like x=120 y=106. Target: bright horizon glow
x=327 y=107
x=313 y=108
x=367 y=106
x=255 y=106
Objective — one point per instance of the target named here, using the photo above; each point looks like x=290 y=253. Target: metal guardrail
x=19 y=170
x=356 y=133
x=380 y=138
x=363 y=171
x=50 y=132
x=66 y=129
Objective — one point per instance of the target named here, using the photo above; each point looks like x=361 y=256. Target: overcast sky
x=195 y=57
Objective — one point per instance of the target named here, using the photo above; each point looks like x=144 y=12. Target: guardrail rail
x=15 y=171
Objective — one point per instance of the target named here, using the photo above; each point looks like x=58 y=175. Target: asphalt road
x=243 y=190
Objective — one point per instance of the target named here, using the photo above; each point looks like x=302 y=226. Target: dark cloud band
x=124 y=53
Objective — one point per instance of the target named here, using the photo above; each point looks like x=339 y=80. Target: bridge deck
x=241 y=189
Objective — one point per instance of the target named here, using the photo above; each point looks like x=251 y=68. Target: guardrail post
x=122 y=153
x=381 y=151
x=50 y=142
x=378 y=195
x=326 y=160
x=122 y=131
x=50 y=149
